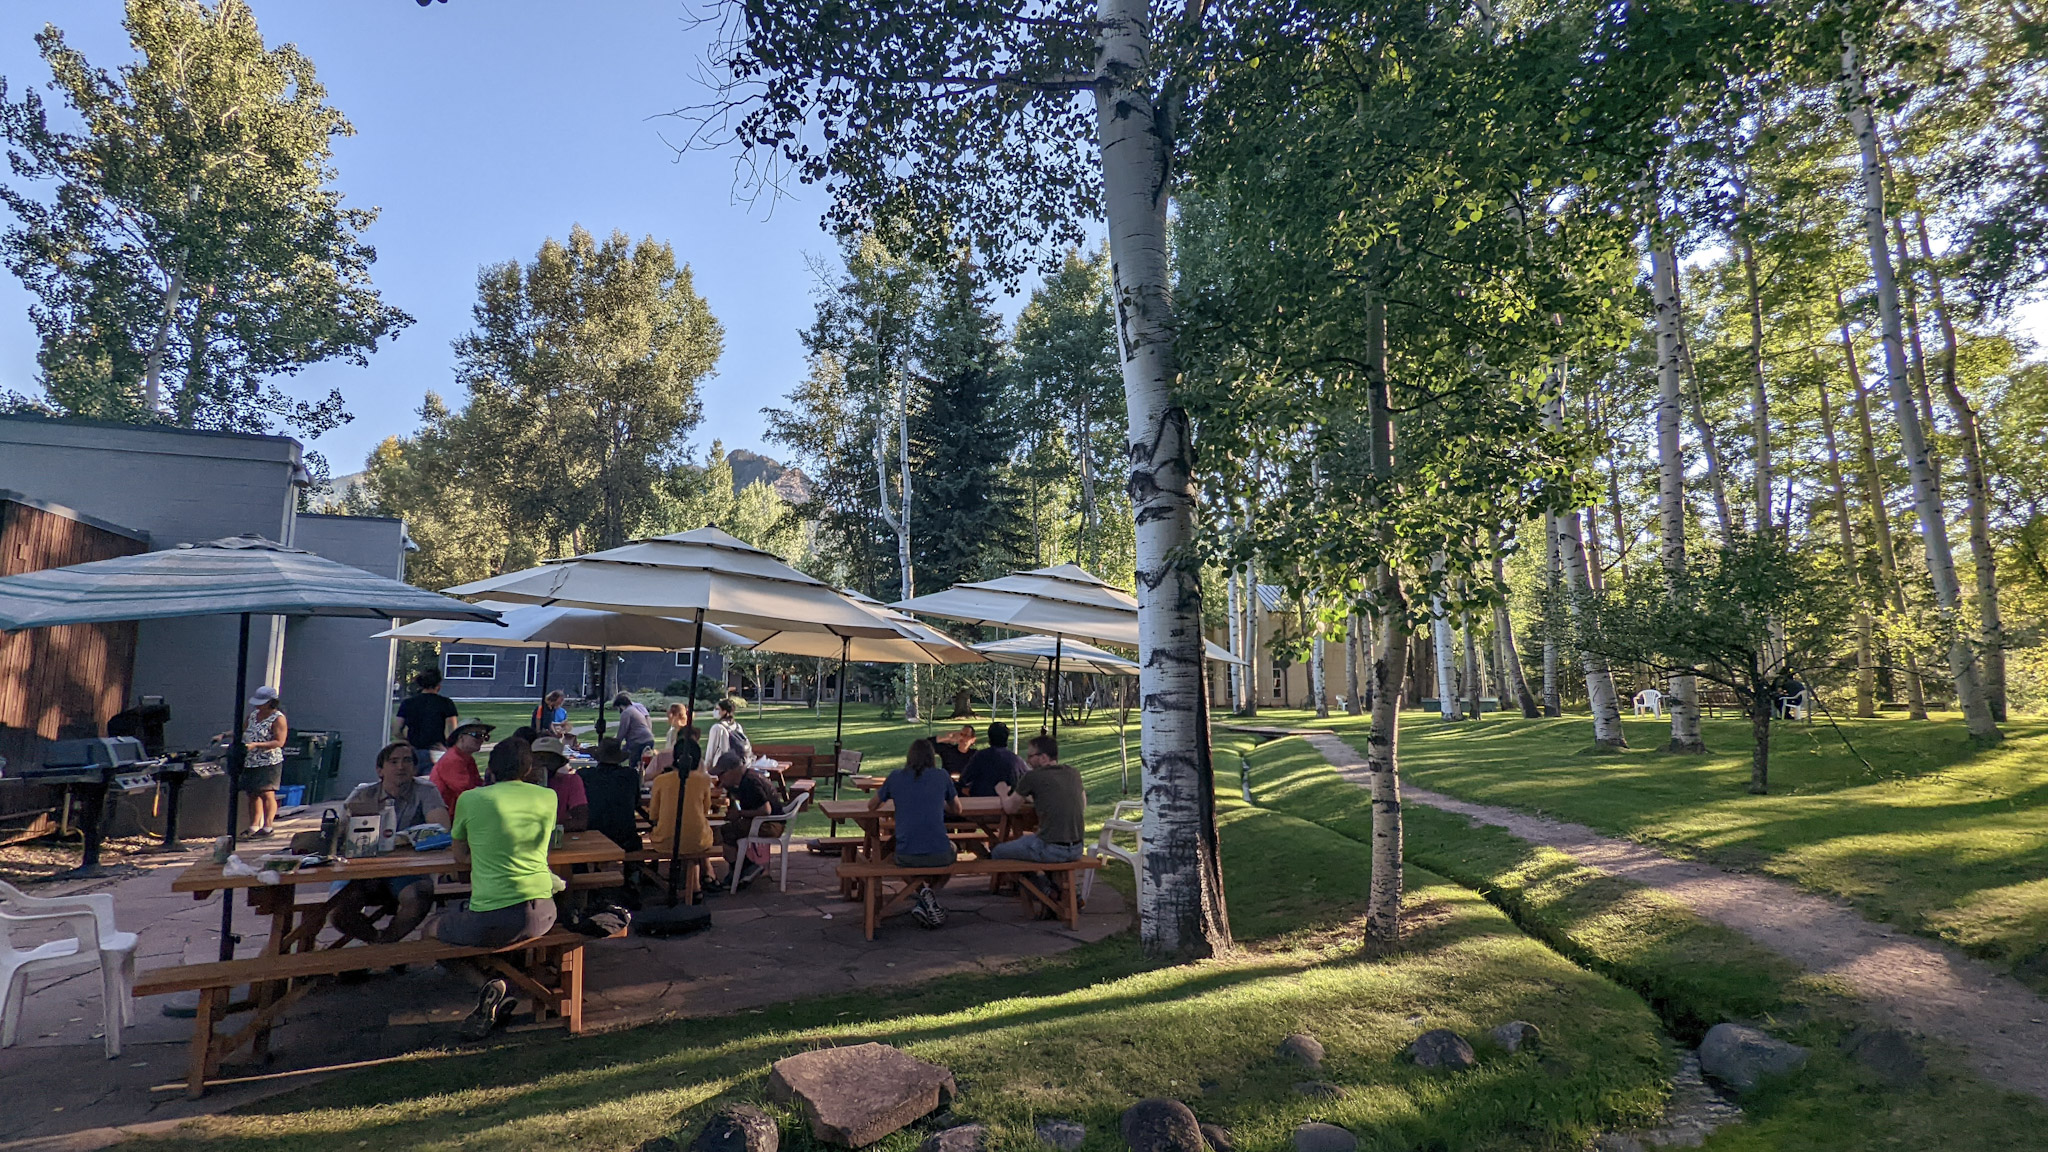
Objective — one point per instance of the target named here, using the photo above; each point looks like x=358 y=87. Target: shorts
x=261 y=777
x=498 y=927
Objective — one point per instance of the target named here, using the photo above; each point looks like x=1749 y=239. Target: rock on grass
x=959 y=1138
x=1159 y=1125
x=1442 y=1048
x=1516 y=1035
x=1743 y=1057
x=858 y=1093
x=1065 y=1135
x=737 y=1128
x=1302 y=1048
x=1323 y=1138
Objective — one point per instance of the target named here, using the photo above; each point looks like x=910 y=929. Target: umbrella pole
x=839 y=724
x=237 y=752
x=675 y=836
x=547 y=653
x=604 y=665
x=1057 y=641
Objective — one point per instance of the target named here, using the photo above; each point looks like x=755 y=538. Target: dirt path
x=1918 y=984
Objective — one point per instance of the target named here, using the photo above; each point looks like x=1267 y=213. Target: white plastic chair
x=788 y=819
x=116 y=948
x=86 y=949
x=1106 y=845
x=1650 y=700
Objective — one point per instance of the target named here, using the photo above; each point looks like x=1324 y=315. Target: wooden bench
x=1713 y=703
x=849 y=848
x=556 y=957
x=876 y=903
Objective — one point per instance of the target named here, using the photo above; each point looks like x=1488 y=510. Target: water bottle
x=387 y=826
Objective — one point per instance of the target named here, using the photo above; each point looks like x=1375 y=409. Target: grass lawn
x=1694 y=972
x=1931 y=834
x=1085 y=1034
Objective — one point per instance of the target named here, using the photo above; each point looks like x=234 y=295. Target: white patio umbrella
x=241 y=575
x=707 y=573
x=1064 y=601
x=1039 y=651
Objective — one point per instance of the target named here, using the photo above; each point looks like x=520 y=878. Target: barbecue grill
x=89 y=768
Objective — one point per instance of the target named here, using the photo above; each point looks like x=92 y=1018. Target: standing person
x=993 y=765
x=263 y=768
x=925 y=798
x=727 y=735
x=407 y=899
x=685 y=748
x=426 y=719
x=1055 y=789
x=455 y=772
x=572 y=801
x=612 y=791
x=551 y=715
x=501 y=834
x=636 y=727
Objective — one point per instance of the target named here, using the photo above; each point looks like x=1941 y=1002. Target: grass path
x=1917 y=984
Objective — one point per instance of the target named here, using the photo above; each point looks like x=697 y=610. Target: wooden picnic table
x=985 y=812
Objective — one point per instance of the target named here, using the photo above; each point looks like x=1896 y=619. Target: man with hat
x=572 y=804
x=455 y=772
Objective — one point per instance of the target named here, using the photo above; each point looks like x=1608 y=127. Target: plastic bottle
x=387 y=826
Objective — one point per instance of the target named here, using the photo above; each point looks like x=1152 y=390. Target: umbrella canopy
x=733 y=583
x=1063 y=600
x=237 y=575
x=535 y=626
x=914 y=643
x=1036 y=652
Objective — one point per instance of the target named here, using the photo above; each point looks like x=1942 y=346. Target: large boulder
x=1158 y=1125
x=1219 y=1137
x=1743 y=1057
x=1302 y=1048
x=1442 y=1048
x=857 y=1094
x=737 y=1128
x=1324 y=1138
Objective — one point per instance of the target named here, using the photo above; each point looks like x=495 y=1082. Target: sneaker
x=928 y=912
x=750 y=871
x=489 y=1002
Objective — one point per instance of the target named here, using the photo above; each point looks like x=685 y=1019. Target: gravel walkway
x=1917 y=984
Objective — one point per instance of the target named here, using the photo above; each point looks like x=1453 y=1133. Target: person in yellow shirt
x=697 y=790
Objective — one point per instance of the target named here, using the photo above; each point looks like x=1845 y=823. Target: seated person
x=993 y=765
x=695 y=790
x=1056 y=791
x=455 y=772
x=551 y=716
x=751 y=797
x=407 y=899
x=925 y=798
x=501 y=834
x=572 y=802
x=954 y=748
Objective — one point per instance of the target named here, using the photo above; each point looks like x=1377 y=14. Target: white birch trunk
x=1474 y=689
x=1759 y=400
x=1866 y=667
x=1446 y=677
x=1319 y=684
x=1962 y=656
x=1382 y=766
x=1894 y=592
x=1353 y=706
x=1180 y=889
x=1237 y=672
x=1600 y=693
x=1683 y=688
x=1251 y=639
x=153 y=368
x=1553 y=702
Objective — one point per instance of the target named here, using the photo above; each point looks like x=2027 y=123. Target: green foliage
x=191 y=227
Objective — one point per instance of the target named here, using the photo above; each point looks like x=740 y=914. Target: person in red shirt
x=455 y=772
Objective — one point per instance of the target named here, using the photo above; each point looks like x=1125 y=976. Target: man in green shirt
x=502 y=832
x=1056 y=791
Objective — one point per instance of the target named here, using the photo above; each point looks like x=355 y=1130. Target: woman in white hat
x=263 y=769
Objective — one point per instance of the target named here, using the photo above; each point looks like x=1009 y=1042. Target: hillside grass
x=1695 y=973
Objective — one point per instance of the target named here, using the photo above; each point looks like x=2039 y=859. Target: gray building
x=486 y=672
x=177 y=486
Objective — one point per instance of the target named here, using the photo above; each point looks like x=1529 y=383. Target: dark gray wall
x=179 y=487
x=336 y=676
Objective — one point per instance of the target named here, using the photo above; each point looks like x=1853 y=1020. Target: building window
x=685 y=659
x=1279 y=683
x=532 y=670
x=471 y=666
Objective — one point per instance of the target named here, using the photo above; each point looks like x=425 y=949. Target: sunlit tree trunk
x=1504 y=633
x=1553 y=704
x=1251 y=638
x=1977 y=490
x=1180 y=891
x=1683 y=688
x=1601 y=696
x=1962 y=658
x=1894 y=591
x=1319 y=684
x=1473 y=690
x=1866 y=664
x=153 y=366
x=1237 y=672
x=1446 y=677
x=1353 y=706
x=1389 y=666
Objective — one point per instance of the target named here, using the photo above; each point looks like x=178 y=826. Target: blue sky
x=483 y=126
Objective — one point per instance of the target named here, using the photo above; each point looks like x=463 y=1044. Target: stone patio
x=764 y=947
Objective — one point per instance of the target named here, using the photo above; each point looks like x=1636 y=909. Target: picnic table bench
x=549 y=971
x=877 y=902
